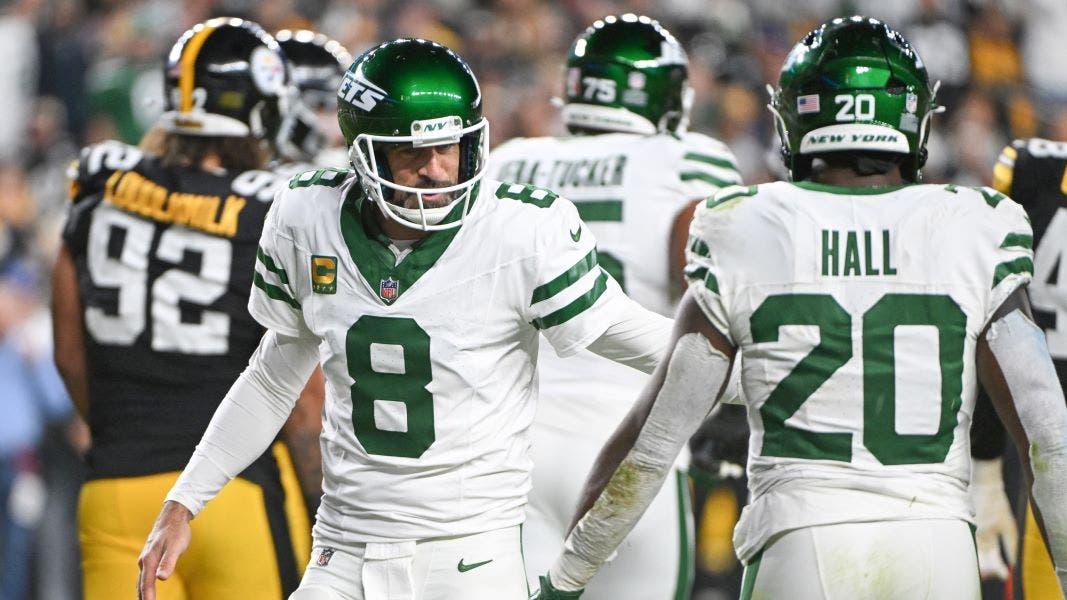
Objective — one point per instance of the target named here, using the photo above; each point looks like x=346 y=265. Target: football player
x=149 y=299
x=634 y=172
x=1034 y=173
x=866 y=306
x=308 y=131
x=422 y=288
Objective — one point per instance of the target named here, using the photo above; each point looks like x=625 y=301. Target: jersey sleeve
x=88 y=174
x=707 y=166
x=1009 y=254
x=1004 y=169
x=75 y=232
x=573 y=300
x=275 y=301
x=708 y=254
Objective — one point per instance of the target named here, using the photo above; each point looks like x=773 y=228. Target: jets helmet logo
x=359 y=92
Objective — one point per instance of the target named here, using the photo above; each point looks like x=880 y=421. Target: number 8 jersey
x=856 y=313
x=429 y=353
x=163 y=256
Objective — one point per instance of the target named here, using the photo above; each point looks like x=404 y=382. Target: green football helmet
x=853 y=84
x=418 y=92
x=627 y=74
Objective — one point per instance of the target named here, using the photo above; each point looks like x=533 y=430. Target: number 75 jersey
x=429 y=354
x=856 y=312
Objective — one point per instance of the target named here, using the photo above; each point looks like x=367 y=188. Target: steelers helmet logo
x=268 y=71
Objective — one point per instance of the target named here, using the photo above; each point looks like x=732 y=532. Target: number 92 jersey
x=164 y=259
x=1034 y=173
x=857 y=321
x=428 y=354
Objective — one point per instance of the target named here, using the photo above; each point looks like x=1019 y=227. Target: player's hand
x=547 y=592
x=996 y=522
x=169 y=538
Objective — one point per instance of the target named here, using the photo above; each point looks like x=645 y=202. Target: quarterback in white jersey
x=865 y=307
x=422 y=288
x=634 y=175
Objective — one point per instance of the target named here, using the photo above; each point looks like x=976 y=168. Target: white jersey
x=857 y=313
x=429 y=360
x=629 y=188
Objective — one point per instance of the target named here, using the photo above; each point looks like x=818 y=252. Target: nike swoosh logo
x=577 y=234
x=464 y=568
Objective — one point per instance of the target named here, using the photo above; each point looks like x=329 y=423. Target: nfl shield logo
x=911 y=103
x=388 y=289
x=324 y=557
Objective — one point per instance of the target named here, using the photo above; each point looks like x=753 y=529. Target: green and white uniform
x=857 y=322
x=629 y=189
x=428 y=358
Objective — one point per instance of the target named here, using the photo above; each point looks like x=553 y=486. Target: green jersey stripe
x=271 y=265
x=725 y=195
x=696 y=273
x=565 y=279
x=599 y=210
x=576 y=307
x=1018 y=240
x=698 y=246
x=705 y=177
x=273 y=292
x=711 y=282
x=724 y=163
x=1023 y=264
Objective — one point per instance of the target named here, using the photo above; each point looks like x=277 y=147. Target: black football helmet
x=318 y=64
x=224 y=77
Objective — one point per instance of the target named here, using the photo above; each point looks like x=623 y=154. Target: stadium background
x=74 y=72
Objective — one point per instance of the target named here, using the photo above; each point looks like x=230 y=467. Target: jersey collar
x=847 y=190
x=369 y=247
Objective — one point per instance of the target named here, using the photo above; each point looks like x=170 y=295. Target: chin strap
x=433 y=215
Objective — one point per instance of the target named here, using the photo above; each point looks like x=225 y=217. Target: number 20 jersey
x=856 y=312
x=164 y=259
x=430 y=359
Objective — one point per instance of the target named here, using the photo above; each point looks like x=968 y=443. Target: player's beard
x=411 y=200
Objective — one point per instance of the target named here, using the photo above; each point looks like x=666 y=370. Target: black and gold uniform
x=1033 y=172
x=164 y=258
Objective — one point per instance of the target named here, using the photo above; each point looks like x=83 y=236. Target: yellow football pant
x=1039 y=578
x=232 y=553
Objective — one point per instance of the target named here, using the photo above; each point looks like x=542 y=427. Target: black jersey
x=164 y=259
x=1034 y=173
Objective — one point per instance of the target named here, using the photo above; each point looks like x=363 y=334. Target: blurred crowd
x=75 y=72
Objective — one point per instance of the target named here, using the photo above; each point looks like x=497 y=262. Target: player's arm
x=245 y=424
x=637 y=337
x=68 y=333
x=1016 y=370
x=301 y=434
x=996 y=525
x=633 y=464
x=676 y=247
x=577 y=305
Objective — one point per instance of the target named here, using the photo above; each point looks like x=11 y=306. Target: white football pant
x=927 y=558
x=483 y=566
